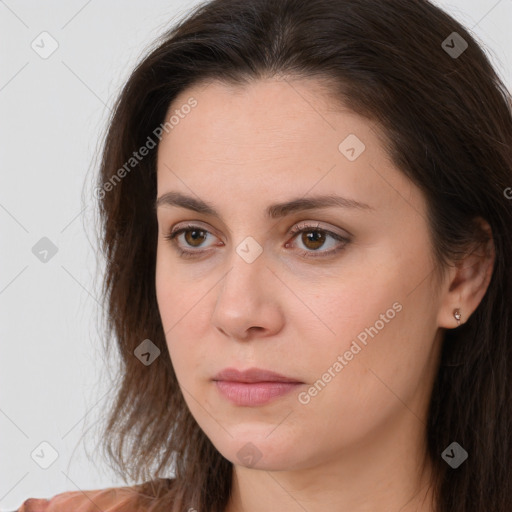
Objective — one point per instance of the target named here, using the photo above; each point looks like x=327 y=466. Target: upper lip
x=252 y=375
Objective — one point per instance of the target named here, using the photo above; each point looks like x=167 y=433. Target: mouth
x=254 y=386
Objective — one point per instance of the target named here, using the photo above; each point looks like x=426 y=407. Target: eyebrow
x=273 y=211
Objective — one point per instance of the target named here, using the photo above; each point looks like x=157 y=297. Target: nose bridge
x=247 y=267
x=246 y=298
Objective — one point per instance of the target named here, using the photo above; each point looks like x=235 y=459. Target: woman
x=307 y=223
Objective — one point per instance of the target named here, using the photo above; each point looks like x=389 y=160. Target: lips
x=252 y=375
x=253 y=387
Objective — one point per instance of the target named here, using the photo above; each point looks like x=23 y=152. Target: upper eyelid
x=191 y=225
x=306 y=224
x=295 y=230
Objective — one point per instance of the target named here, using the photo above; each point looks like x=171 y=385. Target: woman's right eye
x=193 y=235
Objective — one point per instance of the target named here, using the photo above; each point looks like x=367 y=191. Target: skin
x=358 y=444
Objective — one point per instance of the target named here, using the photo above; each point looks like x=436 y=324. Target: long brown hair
x=447 y=121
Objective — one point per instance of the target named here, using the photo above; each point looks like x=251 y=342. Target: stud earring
x=457 y=315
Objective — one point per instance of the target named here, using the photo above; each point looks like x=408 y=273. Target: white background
x=53 y=379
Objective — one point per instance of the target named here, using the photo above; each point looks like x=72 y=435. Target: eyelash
x=300 y=228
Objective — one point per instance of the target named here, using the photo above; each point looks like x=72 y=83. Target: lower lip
x=254 y=393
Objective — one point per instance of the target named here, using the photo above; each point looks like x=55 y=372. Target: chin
x=261 y=447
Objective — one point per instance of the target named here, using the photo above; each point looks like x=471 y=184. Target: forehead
x=265 y=126
x=273 y=138
x=260 y=111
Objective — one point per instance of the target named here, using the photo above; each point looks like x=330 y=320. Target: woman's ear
x=467 y=281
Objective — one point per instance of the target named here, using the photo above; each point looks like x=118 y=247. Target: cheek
x=183 y=312
x=174 y=297
x=161 y=280
x=359 y=323
x=342 y=310
x=170 y=307
x=379 y=357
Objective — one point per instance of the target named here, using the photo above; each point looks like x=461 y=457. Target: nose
x=247 y=302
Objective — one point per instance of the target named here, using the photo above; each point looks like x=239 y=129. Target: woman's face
x=353 y=321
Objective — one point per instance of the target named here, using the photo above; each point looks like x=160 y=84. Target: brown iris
x=317 y=238
x=191 y=236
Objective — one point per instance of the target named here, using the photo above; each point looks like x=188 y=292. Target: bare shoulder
x=111 y=499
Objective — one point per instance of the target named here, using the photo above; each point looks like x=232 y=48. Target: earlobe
x=452 y=320
x=457 y=315
x=468 y=283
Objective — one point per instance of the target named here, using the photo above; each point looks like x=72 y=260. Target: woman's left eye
x=313 y=238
